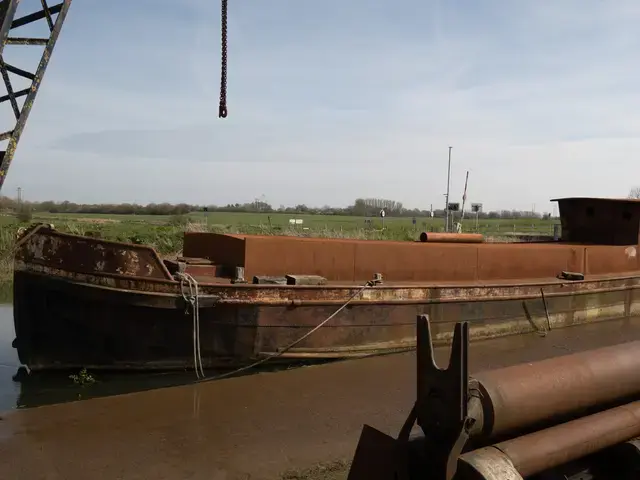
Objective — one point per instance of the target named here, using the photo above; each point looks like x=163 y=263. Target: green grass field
x=312 y=222
x=165 y=233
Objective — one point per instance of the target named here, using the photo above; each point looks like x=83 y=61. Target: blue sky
x=335 y=100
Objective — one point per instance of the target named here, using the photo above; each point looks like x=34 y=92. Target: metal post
x=446 y=223
x=7 y=13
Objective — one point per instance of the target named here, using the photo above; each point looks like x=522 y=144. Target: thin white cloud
x=333 y=100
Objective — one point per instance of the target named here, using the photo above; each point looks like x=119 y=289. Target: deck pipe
x=436 y=237
x=545 y=449
x=513 y=398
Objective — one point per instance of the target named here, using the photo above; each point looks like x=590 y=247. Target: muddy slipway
x=257 y=426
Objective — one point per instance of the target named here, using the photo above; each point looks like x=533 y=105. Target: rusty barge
x=85 y=302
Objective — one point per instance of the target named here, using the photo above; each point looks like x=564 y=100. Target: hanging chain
x=222 y=109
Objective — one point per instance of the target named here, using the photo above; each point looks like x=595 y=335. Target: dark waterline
x=21 y=390
x=18 y=390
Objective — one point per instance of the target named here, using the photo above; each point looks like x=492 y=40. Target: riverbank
x=6 y=291
x=296 y=424
x=167 y=237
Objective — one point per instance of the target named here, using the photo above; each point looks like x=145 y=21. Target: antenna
x=464 y=198
x=446 y=222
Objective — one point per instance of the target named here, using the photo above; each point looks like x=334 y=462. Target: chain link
x=222 y=109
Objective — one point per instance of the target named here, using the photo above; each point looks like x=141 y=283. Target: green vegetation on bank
x=361 y=207
x=6 y=292
x=165 y=233
x=162 y=225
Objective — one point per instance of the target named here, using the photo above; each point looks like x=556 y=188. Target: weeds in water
x=83 y=378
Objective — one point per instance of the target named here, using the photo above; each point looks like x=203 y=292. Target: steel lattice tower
x=54 y=16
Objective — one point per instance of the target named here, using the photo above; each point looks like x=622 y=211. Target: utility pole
x=19 y=195
x=446 y=222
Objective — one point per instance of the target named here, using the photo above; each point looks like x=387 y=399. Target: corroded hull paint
x=83 y=302
x=65 y=324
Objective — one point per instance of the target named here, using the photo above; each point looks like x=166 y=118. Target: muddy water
x=251 y=427
x=9 y=390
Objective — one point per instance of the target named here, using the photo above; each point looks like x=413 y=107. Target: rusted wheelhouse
x=82 y=301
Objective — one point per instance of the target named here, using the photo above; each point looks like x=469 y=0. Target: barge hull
x=62 y=324
x=86 y=302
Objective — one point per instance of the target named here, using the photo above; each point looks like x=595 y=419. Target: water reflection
x=9 y=390
x=47 y=388
x=19 y=390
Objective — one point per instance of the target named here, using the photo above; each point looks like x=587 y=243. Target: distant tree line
x=361 y=207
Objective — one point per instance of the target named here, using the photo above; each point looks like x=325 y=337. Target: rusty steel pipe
x=555 y=446
x=434 y=237
x=523 y=395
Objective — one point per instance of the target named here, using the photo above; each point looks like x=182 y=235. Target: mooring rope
x=546 y=309
x=285 y=349
x=193 y=300
x=541 y=331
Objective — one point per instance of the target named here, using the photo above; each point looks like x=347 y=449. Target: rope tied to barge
x=192 y=301
x=280 y=351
